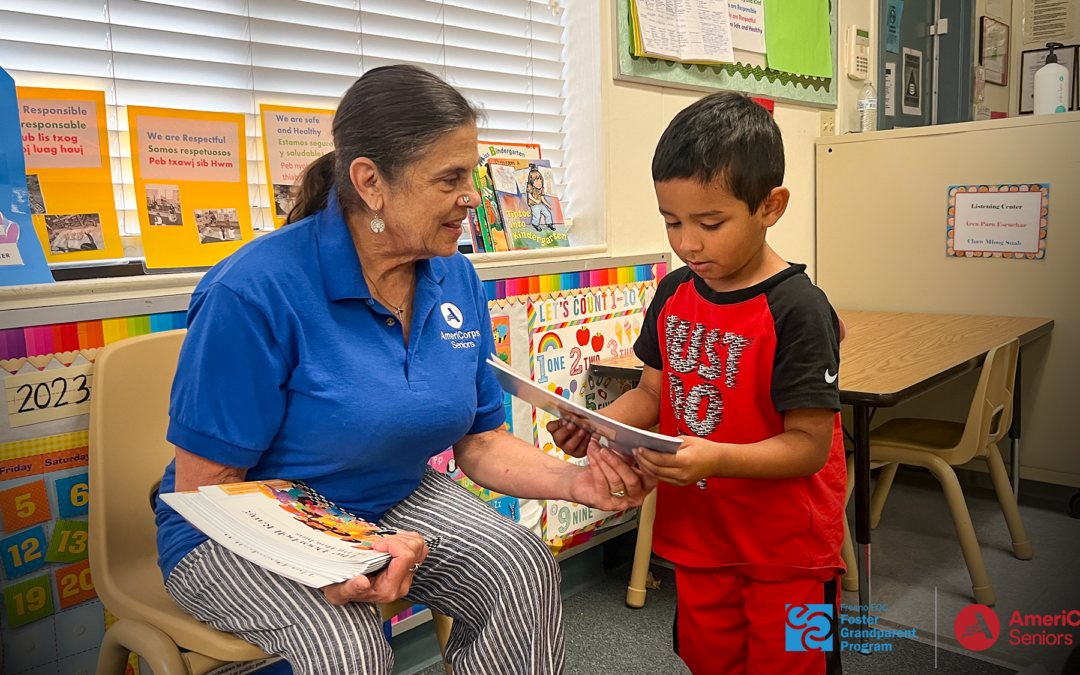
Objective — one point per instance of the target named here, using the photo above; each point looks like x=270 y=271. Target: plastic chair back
x=990 y=415
x=129 y=415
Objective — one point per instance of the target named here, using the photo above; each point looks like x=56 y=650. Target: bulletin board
x=749 y=74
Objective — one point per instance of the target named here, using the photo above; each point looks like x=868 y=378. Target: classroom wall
x=635 y=115
x=882 y=203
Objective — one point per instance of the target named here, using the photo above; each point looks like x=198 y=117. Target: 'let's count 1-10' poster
x=292 y=139
x=69 y=177
x=191 y=185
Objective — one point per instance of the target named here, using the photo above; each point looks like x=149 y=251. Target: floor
x=915 y=551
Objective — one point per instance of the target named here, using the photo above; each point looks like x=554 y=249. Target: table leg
x=862 y=508
x=1014 y=431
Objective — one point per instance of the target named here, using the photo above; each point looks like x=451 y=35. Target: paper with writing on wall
x=50 y=394
x=911 y=85
x=69 y=179
x=686 y=30
x=191 y=185
x=292 y=139
x=1049 y=20
x=747 y=25
x=614 y=435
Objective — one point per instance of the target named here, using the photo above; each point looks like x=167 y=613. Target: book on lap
x=284 y=527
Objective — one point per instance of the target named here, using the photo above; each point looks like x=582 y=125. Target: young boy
x=741 y=355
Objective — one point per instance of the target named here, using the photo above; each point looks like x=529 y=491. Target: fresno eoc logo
x=977 y=627
x=808 y=628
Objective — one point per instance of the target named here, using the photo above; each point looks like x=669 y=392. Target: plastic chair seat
x=139 y=593
x=917 y=434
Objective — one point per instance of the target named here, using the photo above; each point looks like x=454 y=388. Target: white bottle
x=1052 y=86
x=866 y=109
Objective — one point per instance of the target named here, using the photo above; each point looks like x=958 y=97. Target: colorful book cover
x=475 y=235
x=530 y=209
x=491 y=220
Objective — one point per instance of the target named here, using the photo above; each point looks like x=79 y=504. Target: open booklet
x=614 y=435
x=286 y=528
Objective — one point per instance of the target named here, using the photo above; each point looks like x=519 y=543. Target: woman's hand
x=569 y=437
x=392 y=583
x=595 y=485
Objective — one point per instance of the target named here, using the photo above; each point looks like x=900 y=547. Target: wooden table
x=891 y=357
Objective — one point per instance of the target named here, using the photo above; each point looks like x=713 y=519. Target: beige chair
x=128 y=451
x=939 y=446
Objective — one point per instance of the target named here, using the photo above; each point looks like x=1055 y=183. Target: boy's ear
x=774 y=205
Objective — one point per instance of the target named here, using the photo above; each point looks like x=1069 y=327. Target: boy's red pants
x=730 y=624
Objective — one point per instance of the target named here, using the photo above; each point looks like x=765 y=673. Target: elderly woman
x=330 y=352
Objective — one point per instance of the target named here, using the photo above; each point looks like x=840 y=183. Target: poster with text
x=998 y=221
x=191 y=185
x=21 y=258
x=68 y=173
x=566 y=334
x=292 y=139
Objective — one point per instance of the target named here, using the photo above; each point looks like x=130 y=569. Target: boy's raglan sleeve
x=647 y=346
x=806 y=367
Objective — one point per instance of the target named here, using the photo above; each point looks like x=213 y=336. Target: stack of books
x=518 y=205
x=284 y=527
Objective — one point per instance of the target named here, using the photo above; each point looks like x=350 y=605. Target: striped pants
x=495 y=578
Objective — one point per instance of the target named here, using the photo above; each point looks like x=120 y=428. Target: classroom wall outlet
x=828 y=123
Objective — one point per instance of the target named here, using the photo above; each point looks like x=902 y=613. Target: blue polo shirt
x=291 y=370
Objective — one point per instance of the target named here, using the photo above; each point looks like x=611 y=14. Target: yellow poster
x=68 y=173
x=191 y=185
x=292 y=139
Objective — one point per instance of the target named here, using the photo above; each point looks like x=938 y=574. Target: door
x=925 y=90
x=911 y=61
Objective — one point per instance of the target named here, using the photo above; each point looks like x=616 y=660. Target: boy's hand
x=695 y=460
x=569 y=437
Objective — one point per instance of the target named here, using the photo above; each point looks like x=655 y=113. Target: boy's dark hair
x=723 y=136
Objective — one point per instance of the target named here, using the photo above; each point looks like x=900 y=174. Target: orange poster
x=292 y=139
x=191 y=185
x=68 y=173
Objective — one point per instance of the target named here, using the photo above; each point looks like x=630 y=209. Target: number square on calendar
x=74 y=584
x=29 y=601
x=24 y=506
x=24 y=552
x=73 y=495
x=69 y=541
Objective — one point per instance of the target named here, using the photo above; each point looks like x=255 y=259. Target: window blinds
x=507 y=56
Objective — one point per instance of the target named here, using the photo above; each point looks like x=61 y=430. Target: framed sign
x=997 y=221
x=994 y=50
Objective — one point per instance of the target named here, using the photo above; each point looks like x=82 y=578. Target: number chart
x=52 y=620
x=567 y=332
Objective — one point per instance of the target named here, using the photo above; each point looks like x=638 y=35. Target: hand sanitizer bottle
x=1052 y=86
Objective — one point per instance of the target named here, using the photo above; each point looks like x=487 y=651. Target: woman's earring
x=377 y=224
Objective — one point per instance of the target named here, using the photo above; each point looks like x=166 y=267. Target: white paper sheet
x=686 y=30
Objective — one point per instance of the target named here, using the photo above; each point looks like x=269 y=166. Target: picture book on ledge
x=486 y=225
x=530 y=210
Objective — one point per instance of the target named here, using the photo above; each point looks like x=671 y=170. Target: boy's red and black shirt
x=733 y=363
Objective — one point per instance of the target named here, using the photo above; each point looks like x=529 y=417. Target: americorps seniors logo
x=808 y=628
x=977 y=627
x=451 y=315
